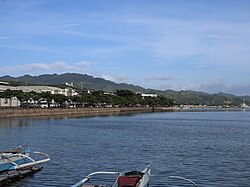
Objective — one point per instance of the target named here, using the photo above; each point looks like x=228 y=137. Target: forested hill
x=79 y=80
x=90 y=82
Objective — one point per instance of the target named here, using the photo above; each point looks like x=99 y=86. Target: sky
x=200 y=45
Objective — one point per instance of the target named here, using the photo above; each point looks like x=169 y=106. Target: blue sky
x=201 y=45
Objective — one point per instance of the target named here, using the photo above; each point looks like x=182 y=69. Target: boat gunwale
x=146 y=172
x=23 y=157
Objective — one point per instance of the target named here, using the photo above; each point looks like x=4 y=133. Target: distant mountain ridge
x=80 y=80
x=89 y=82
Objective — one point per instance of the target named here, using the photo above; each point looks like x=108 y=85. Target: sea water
x=210 y=148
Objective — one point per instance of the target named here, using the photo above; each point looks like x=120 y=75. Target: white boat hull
x=142 y=178
x=11 y=160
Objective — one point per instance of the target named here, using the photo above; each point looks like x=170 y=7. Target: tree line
x=120 y=98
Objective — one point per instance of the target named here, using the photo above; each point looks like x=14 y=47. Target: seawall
x=38 y=112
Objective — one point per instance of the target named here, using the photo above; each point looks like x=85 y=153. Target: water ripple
x=211 y=148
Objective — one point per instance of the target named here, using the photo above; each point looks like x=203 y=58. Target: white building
x=13 y=102
x=69 y=92
x=69 y=84
x=38 y=89
x=4 y=83
x=4 y=87
x=148 y=95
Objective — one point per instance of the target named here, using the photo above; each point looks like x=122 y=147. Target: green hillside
x=91 y=83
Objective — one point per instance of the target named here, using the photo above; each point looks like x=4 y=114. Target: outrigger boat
x=20 y=157
x=124 y=179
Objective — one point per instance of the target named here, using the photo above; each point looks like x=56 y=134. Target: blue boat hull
x=20 y=158
x=5 y=166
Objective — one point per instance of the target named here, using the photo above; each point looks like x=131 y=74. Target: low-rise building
x=4 y=83
x=69 y=92
x=5 y=102
x=148 y=95
x=40 y=89
x=9 y=102
x=5 y=87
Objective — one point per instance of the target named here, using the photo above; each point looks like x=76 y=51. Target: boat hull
x=134 y=178
x=6 y=166
x=6 y=162
x=143 y=182
x=19 y=158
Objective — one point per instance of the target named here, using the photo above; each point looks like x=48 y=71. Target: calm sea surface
x=211 y=148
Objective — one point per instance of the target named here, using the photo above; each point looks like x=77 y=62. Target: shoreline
x=52 y=112
x=69 y=112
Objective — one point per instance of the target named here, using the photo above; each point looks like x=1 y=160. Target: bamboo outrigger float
x=125 y=179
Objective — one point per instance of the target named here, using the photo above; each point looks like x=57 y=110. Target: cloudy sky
x=201 y=45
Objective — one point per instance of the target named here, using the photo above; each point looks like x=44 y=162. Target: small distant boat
x=243 y=104
x=20 y=158
x=125 y=179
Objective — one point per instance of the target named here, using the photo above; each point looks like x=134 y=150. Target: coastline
x=67 y=112
x=39 y=112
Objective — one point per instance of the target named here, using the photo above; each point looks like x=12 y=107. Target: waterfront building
x=40 y=89
x=148 y=95
x=14 y=102
x=9 y=102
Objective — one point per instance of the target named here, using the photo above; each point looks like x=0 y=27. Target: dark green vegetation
x=79 y=80
x=90 y=83
x=201 y=98
x=120 y=98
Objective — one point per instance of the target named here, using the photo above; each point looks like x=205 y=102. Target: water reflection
x=14 y=123
x=211 y=148
x=22 y=122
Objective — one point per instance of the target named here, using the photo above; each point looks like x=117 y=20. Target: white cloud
x=122 y=79
x=218 y=36
x=220 y=86
x=63 y=66
x=212 y=87
x=70 y=25
x=4 y=37
x=107 y=77
x=160 y=78
x=33 y=67
x=214 y=40
x=40 y=68
x=84 y=63
x=200 y=66
x=117 y=79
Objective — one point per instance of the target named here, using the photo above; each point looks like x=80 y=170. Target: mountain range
x=84 y=81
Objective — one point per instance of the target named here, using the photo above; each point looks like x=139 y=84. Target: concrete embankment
x=38 y=112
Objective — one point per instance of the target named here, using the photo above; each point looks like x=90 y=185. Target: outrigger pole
x=33 y=162
x=183 y=178
x=87 y=178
